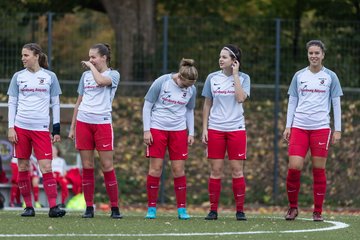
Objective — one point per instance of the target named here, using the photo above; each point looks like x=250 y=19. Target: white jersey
x=314 y=92
x=58 y=164
x=170 y=103
x=226 y=114
x=96 y=104
x=33 y=91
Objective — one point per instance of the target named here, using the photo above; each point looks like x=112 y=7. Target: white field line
x=336 y=225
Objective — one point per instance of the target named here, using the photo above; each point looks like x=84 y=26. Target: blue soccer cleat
x=151 y=213
x=183 y=214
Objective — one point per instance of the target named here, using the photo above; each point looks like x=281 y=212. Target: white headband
x=230 y=51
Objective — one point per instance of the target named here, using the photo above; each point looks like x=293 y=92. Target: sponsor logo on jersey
x=184 y=94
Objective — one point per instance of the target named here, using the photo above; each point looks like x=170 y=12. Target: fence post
x=276 y=110
x=50 y=15
x=164 y=70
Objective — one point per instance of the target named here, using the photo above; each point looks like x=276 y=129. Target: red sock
x=25 y=187
x=293 y=186
x=214 y=188
x=36 y=193
x=50 y=188
x=64 y=190
x=180 y=191
x=13 y=193
x=239 y=185
x=88 y=184
x=152 y=187
x=112 y=187
x=319 y=188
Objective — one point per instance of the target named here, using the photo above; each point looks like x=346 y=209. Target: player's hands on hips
x=205 y=136
x=286 y=134
x=148 y=139
x=12 y=136
x=336 y=137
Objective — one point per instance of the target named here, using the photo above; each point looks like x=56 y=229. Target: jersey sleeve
x=293 y=87
x=155 y=89
x=55 y=89
x=115 y=78
x=80 y=89
x=246 y=84
x=335 y=87
x=191 y=103
x=206 y=92
x=13 y=87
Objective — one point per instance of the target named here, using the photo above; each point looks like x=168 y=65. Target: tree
x=133 y=22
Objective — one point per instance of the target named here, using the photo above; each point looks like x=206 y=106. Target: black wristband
x=56 y=129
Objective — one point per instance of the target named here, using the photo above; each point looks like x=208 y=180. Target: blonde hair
x=188 y=70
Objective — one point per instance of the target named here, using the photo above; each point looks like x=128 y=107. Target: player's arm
x=98 y=77
x=205 y=116
x=55 y=106
x=148 y=140
x=240 y=94
x=12 y=106
x=337 y=119
x=293 y=101
x=73 y=120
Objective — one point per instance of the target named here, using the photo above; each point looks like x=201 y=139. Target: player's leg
x=236 y=144
x=23 y=150
x=104 y=143
x=215 y=153
x=178 y=153
x=319 y=144
x=156 y=153
x=298 y=147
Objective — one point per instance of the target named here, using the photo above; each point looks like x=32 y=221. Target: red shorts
x=90 y=136
x=40 y=141
x=317 y=140
x=234 y=142
x=176 y=141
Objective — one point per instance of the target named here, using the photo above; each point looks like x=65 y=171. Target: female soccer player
x=93 y=121
x=311 y=93
x=224 y=127
x=168 y=114
x=30 y=93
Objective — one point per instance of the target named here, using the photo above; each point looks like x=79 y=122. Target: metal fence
x=273 y=50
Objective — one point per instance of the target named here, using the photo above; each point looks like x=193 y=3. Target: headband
x=226 y=48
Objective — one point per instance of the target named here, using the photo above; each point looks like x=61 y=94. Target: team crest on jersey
x=41 y=81
x=184 y=94
x=322 y=81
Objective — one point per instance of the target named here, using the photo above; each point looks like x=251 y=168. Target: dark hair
x=318 y=43
x=104 y=50
x=36 y=49
x=235 y=52
x=188 y=70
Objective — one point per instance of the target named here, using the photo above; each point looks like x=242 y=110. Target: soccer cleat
x=212 y=216
x=28 y=212
x=38 y=205
x=115 y=213
x=182 y=214
x=240 y=216
x=317 y=217
x=151 y=213
x=291 y=214
x=89 y=212
x=55 y=212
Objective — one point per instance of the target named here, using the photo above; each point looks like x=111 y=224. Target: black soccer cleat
x=240 y=216
x=56 y=212
x=28 y=212
x=115 y=213
x=212 y=216
x=89 y=212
